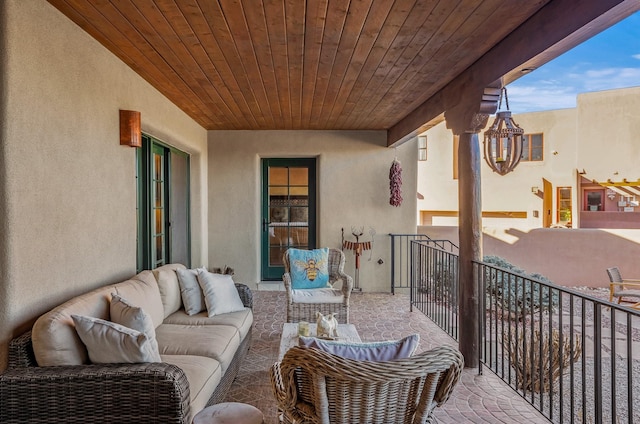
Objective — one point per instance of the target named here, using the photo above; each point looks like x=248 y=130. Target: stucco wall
x=353 y=190
x=511 y=192
x=569 y=257
x=608 y=134
x=68 y=187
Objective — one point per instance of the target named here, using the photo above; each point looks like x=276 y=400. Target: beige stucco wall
x=568 y=257
x=608 y=133
x=68 y=187
x=511 y=192
x=598 y=136
x=353 y=190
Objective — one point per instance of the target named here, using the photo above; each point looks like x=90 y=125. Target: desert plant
x=512 y=289
x=538 y=358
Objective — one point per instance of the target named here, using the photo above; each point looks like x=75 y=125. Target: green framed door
x=288 y=210
x=163 y=233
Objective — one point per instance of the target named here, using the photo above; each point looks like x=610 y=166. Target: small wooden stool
x=229 y=413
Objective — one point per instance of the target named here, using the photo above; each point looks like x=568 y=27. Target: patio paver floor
x=378 y=316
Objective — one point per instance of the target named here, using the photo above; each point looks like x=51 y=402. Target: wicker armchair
x=622 y=288
x=303 y=307
x=312 y=386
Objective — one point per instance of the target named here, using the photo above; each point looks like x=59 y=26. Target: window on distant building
x=422 y=147
x=532 y=147
x=564 y=206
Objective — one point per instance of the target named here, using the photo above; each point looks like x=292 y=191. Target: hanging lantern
x=503 y=141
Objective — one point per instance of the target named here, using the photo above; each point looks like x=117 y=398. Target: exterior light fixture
x=503 y=140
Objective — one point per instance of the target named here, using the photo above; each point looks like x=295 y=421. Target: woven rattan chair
x=313 y=387
x=302 y=306
x=624 y=289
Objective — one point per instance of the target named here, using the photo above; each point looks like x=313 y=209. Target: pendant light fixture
x=503 y=140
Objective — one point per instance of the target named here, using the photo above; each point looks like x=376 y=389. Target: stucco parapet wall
x=568 y=257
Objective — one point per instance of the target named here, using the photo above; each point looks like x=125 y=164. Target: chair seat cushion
x=627 y=293
x=325 y=295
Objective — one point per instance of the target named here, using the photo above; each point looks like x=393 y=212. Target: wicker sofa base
x=141 y=393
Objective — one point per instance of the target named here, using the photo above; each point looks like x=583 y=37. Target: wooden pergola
x=399 y=66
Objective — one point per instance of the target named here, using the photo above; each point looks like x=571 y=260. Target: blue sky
x=606 y=61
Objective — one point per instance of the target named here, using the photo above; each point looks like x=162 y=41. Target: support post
x=470 y=236
x=467 y=122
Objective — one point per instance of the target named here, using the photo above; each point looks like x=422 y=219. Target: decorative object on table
x=303 y=329
x=503 y=140
x=395 y=183
x=358 y=247
x=327 y=325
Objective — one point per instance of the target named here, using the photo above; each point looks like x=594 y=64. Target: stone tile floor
x=378 y=316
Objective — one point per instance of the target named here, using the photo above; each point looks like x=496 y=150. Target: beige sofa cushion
x=167 y=281
x=219 y=342
x=55 y=340
x=142 y=291
x=241 y=320
x=204 y=375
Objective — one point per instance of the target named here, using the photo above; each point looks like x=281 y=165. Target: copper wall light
x=130 y=128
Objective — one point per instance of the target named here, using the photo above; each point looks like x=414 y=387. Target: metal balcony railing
x=400 y=261
x=573 y=356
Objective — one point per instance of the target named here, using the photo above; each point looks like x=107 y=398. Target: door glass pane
x=278 y=176
x=288 y=210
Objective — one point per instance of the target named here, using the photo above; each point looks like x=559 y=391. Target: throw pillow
x=133 y=317
x=309 y=268
x=108 y=342
x=373 y=351
x=190 y=291
x=220 y=293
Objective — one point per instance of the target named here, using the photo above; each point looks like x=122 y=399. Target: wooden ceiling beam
x=558 y=26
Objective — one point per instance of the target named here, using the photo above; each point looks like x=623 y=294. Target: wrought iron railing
x=573 y=356
x=400 y=260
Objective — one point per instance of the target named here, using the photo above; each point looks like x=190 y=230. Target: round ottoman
x=229 y=413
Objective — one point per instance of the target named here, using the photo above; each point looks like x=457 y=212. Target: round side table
x=229 y=413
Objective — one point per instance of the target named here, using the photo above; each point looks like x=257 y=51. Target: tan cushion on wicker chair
x=317 y=296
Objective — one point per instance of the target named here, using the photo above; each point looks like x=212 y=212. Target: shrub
x=538 y=363
x=513 y=291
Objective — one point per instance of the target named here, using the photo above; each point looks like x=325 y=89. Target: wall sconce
x=503 y=141
x=534 y=190
x=130 y=128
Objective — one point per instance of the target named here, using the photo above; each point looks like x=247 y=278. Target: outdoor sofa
x=50 y=378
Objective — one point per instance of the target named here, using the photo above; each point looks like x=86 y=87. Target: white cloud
x=636 y=56
x=560 y=91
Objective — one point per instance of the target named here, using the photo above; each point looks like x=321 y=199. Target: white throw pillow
x=108 y=342
x=190 y=290
x=220 y=293
x=133 y=317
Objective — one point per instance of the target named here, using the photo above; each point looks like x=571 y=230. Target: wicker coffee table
x=346 y=332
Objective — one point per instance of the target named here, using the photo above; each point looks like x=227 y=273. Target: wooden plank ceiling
x=299 y=64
